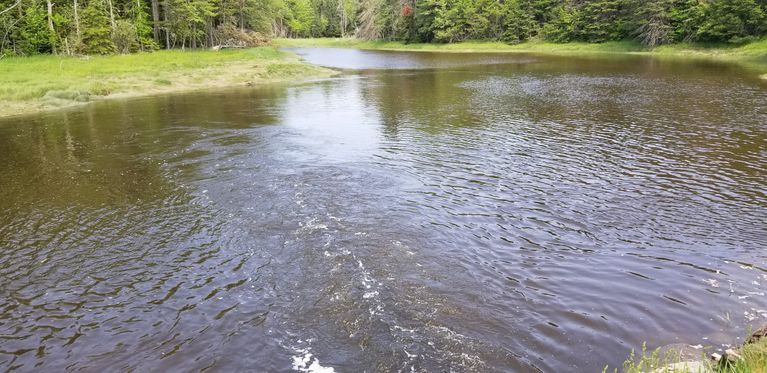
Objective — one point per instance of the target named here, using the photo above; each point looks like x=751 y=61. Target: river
x=418 y=212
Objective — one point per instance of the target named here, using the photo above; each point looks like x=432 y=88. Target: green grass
x=754 y=360
x=43 y=82
x=462 y=47
x=754 y=53
x=660 y=362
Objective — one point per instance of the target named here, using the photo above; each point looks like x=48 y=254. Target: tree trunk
x=111 y=14
x=209 y=37
x=156 y=20
x=50 y=26
x=242 y=15
x=167 y=31
x=77 y=22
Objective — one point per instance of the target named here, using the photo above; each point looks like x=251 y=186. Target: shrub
x=124 y=36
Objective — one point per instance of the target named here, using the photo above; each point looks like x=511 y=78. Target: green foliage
x=375 y=19
x=519 y=22
x=124 y=36
x=106 y=26
x=302 y=17
x=685 y=17
x=730 y=20
x=459 y=20
x=96 y=31
x=598 y=21
x=34 y=35
x=652 y=22
x=141 y=21
x=753 y=359
x=561 y=27
x=424 y=16
x=189 y=18
x=657 y=361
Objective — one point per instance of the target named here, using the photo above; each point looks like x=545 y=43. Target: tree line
x=111 y=26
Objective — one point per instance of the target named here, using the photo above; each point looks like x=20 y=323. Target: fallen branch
x=219 y=47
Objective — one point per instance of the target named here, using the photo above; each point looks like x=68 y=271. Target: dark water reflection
x=542 y=214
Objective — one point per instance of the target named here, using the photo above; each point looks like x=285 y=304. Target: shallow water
x=424 y=212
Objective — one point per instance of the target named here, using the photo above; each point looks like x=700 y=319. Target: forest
x=71 y=27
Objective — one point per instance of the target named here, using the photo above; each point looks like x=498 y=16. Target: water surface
x=423 y=212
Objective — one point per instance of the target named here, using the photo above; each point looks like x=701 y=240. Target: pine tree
x=685 y=17
x=731 y=21
x=34 y=35
x=96 y=31
x=560 y=28
x=425 y=13
x=599 y=21
x=652 y=22
x=519 y=22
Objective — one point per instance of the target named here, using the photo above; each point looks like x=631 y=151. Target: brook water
x=421 y=212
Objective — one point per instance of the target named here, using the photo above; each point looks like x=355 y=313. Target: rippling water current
x=423 y=212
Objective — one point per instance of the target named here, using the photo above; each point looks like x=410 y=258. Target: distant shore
x=46 y=82
x=754 y=53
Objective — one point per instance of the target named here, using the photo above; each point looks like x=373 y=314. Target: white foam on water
x=371 y=292
x=712 y=282
x=306 y=362
x=312 y=225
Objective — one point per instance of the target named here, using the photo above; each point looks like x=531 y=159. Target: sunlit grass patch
x=38 y=82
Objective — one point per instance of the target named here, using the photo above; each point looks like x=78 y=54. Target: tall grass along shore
x=44 y=82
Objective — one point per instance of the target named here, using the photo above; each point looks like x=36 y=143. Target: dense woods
x=121 y=26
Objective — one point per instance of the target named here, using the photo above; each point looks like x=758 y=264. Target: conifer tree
x=96 y=30
x=652 y=22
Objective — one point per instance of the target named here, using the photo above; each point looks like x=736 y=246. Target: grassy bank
x=752 y=358
x=30 y=84
x=752 y=53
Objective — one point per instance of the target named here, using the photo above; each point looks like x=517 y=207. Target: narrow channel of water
x=422 y=212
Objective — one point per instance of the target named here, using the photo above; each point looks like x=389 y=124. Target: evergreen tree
x=731 y=20
x=425 y=14
x=34 y=35
x=95 y=26
x=652 y=22
x=96 y=31
x=599 y=21
x=519 y=22
x=685 y=17
x=561 y=27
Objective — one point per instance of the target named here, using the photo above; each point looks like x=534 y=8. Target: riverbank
x=751 y=357
x=754 y=53
x=39 y=83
